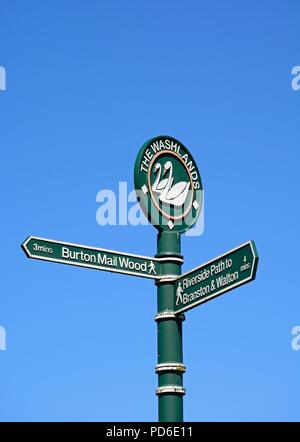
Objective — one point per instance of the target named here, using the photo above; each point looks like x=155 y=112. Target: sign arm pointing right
x=216 y=277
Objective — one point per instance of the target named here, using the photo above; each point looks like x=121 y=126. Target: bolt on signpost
x=169 y=189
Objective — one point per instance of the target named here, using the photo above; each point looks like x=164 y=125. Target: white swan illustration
x=158 y=186
x=177 y=194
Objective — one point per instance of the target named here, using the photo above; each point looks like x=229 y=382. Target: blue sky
x=87 y=84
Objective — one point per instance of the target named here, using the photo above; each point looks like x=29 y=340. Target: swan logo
x=168 y=193
x=168 y=184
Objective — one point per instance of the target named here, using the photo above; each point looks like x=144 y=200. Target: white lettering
x=225 y=280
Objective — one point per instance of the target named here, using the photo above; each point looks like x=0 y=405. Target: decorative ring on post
x=168 y=315
x=170 y=366
x=170 y=389
x=166 y=278
x=171 y=258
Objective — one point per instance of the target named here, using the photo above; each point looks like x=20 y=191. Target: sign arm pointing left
x=91 y=257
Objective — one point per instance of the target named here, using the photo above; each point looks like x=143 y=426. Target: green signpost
x=169 y=188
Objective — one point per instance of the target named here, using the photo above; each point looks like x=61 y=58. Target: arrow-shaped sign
x=224 y=273
x=91 y=257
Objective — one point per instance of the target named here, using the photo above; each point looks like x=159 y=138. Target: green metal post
x=170 y=366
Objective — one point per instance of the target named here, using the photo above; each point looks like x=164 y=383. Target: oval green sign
x=168 y=184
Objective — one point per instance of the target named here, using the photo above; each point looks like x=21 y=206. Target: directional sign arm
x=218 y=276
x=91 y=257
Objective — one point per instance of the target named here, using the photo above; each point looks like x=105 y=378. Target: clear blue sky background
x=87 y=83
